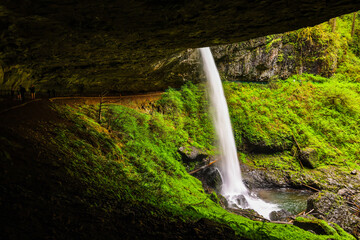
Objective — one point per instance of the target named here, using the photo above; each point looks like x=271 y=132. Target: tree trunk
x=353 y=24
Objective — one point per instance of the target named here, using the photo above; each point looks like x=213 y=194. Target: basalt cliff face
x=129 y=45
x=254 y=60
x=265 y=58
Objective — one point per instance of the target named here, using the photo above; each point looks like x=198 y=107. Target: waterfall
x=233 y=188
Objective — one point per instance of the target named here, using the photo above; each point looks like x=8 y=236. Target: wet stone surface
x=335 y=208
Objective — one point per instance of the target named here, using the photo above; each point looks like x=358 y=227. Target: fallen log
x=299 y=151
x=311 y=187
x=205 y=166
x=281 y=222
x=309 y=212
x=301 y=213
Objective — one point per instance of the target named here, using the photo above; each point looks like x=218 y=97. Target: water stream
x=292 y=200
x=233 y=188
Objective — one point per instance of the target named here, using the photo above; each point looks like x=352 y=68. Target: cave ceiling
x=133 y=45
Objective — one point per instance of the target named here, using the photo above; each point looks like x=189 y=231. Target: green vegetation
x=317 y=112
x=321 y=50
x=132 y=158
x=324 y=116
x=188 y=111
x=323 y=225
x=130 y=162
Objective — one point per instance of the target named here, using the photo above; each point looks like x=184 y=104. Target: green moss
x=132 y=158
x=323 y=51
x=322 y=115
x=340 y=231
x=272 y=40
x=334 y=230
x=280 y=57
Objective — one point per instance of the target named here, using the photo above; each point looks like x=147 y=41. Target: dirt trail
x=134 y=99
x=19 y=117
x=12 y=106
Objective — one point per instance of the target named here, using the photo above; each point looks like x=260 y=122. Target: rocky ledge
x=129 y=45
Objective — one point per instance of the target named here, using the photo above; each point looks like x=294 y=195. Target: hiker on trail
x=18 y=95
x=22 y=93
x=32 y=91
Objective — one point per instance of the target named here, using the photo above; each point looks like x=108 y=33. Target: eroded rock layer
x=128 y=45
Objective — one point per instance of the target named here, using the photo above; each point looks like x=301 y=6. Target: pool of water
x=291 y=200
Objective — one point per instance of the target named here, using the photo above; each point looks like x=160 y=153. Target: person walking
x=32 y=91
x=22 y=93
x=18 y=95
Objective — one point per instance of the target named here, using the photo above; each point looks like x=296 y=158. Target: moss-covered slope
x=70 y=177
x=324 y=116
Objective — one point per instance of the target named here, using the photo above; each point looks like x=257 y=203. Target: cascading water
x=233 y=188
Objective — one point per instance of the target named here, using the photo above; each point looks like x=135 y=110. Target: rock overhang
x=134 y=45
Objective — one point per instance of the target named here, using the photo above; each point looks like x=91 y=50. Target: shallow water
x=291 y=200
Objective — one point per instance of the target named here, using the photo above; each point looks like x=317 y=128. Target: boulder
x=281 y=215
x=264 y=178
x=192 y=154
x=353 y=172
x=196 y=159
x=333 y=208
x=312 y=226
x=322 y=202
x=308 y=157
x=210 y=178
x=234 y=202
x=248 y=213
x=241 y=201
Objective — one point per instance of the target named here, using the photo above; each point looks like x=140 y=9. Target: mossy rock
x=321 y=227
x=192 y=154
x=311 y=225
x=309 y=158
x=333 y=208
